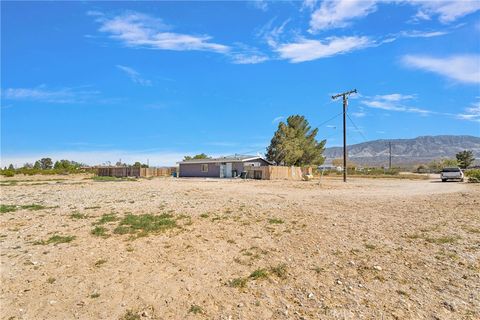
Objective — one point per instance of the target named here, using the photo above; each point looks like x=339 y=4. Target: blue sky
x=100 y=81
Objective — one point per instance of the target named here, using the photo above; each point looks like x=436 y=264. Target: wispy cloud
x=471 y=113
x=44 y=94
x=393 y=102
x=422 y=34
x=341 y=13
x=136 y=29
x=447 y=11
x=244 y=54
x=278 y=119
x=462 y=68
x=338 y=14
x=134 y=75
x=259 y=4
x=307 y=49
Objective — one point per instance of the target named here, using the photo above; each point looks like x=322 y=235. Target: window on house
x=204 y=167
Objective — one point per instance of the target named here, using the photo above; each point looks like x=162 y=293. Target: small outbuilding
x=224 y=167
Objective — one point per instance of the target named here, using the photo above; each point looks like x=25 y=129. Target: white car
x=451 y=174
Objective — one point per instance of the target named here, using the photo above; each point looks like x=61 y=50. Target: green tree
x=137 y=164
x=294 y=143
x=198 y=156
x=449 y=163
x=46 y=163
x=465 y=158
x=37 y=165
x=11 y=167
x=27 y=166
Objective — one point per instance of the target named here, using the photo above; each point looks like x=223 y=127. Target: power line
x=327 y=121
x=359 y=131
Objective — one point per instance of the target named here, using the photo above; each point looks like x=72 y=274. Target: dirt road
x=232 y=249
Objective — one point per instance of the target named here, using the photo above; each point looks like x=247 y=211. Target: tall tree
x=198 y=156
x=294 y=144
x=37 y=165
x=465 y=158
x=46 y=163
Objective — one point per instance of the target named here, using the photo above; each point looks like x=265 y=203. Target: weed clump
x=78 y=215
x=275 y=221
x=99 y=231
x=56 y=239
x=4 y=208
x=259 y=274
x=280 y=271
x=195 y=309
x=143 y=225
x=238 y=282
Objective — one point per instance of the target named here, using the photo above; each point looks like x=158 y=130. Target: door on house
x=228 y=170
x=222 y=171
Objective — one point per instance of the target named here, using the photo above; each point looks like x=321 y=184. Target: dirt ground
x=368 y=249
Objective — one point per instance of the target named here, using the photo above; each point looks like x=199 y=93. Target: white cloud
x=462 y=68
x=337 y=14
x=394 y=97
x=259 y=4
x=307 y=50
x=245 y=58
x=134 y=75
x=278 y=119
x=309 y=4
x=394 y=102
x=471 y=113
x=447 y=11
x=359 y=114
x=43 y=94
x=422 y=34
x=140 y=30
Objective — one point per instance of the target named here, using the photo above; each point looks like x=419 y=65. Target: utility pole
x=344 y=95
x=390 y=157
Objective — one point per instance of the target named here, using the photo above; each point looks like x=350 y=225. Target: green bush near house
x=473 y=175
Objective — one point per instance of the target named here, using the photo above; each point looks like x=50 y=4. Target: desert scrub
x=275 y=221
x=106 y=179
x=130 y=315
x=108 y=217
x=238 y=282
x=99 y=231
x=78 y=215
x=33 y=207
x=4 y=208
x=144 y=224
x=195 y=309
x=56 y=239
x=100 y=262
x=259 y=274
x=473 y=175
x=280 y=271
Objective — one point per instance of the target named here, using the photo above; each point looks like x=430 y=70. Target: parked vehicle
x=451 y=174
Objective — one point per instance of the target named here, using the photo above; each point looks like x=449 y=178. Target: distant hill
x=407 y=151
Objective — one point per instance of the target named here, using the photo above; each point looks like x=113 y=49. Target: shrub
x=473 y=175
x=8 y=173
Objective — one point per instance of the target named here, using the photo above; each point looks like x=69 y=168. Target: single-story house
x=225 y=167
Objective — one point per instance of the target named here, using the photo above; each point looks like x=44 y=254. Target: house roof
x=234 y=158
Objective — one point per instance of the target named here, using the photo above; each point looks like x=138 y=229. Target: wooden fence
x=277 y=173
x=135 y=172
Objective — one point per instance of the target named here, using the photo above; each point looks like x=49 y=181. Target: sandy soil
x=369 y=249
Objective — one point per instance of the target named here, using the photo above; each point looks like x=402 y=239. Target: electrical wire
x=358 y=130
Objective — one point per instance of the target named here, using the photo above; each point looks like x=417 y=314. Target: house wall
x=195 y=170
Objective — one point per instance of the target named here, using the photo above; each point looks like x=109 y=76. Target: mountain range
x=422 y=149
